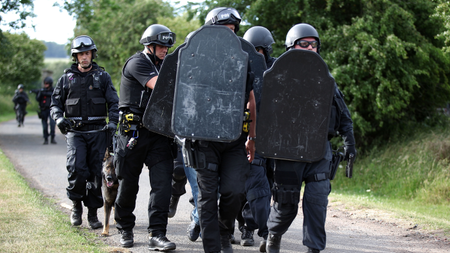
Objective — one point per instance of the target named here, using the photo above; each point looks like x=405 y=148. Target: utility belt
x=129 y=121
x=247 y=120
x=335 y=161
x=93 y=123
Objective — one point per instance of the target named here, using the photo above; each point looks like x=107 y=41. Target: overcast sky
x=54 y=25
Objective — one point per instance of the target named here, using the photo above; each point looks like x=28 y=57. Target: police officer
x=256 y=208
x=137 y=146
x=82 y=100
x=262 y=40
x=20 y=101
x=289 y=175
x=43 y=96
x=226 y=165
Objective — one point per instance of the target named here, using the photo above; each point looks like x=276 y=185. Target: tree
x=384 y=54
x=26 y=61
x=23 y=8
x=116 y=27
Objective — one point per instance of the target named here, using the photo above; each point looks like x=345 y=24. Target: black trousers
x=85 y=153
x=179 y=178
x=46 y=121
x=222 y=180
x=155 y=151
x=288 y=177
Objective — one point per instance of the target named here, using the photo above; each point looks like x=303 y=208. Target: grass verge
x=410 y=178
x=30 y=223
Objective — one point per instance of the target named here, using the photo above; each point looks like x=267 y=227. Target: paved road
x=44 y=168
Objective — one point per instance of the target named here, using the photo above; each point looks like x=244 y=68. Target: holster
x=191 y=156
x=336 y=159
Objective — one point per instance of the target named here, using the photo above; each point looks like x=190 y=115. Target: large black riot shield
x=295 y=108
x=210 y=86
x=258 y=66
x=158 y=113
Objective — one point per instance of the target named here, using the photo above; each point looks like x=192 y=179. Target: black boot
x=93 y=220
x=273 y=243
x=311 y=250
x=160 y=243
x=225 y=244
x=173 y=205
x=53 y=140
x=45 y=141
x=247 y=237
x=77 y=211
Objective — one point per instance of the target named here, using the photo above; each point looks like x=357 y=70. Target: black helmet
x=299 y=31
x=83 y=43
x=260 y=36
x=223 y=16
x=20 y=86
x=158 y=34
x=48 y=80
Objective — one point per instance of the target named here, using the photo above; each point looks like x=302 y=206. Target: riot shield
x=210 y=86
x=258 y=66
x=295 y=108
x=158 y=113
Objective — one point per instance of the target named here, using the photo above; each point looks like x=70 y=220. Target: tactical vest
x=85 y=98
x=133 y=95
x=45 y=98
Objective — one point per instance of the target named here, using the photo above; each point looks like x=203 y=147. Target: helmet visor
x=226 y=15
x=164 y=38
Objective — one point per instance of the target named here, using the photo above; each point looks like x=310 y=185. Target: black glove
x=350 y=150
x=349 y=142
x=63 y=125
x=111 y=127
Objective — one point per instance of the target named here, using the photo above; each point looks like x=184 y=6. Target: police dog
x=110 y=184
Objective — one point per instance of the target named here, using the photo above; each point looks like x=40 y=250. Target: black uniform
x=256 y=206
x=222 y=179
x=86 y=99
x=151 y=149
x=289 y=175
x=44 y=97
x=20 y=100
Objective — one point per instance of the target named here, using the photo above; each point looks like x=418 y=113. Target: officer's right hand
x=349 y=149
x=63 y=125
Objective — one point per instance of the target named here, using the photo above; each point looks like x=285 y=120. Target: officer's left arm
x=346 y=127
x=112 y=99
x=151 y=83
x=250 y=145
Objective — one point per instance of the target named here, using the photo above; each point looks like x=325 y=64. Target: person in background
x=20 y=101
x=43 y=96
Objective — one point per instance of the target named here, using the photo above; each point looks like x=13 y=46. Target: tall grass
x=411 y=174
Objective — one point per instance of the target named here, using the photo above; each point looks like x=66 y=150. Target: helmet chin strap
x=153 y=55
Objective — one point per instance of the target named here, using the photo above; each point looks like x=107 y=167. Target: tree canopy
x=25 y=61
x=389 y=57
x=116 y=27
x=386 y=55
